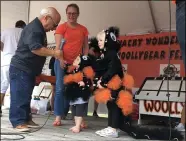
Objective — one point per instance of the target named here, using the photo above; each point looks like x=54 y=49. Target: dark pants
x=21 y=87
x=180 y=27
x=61 y=105
x=115 y=115
x=79 y=110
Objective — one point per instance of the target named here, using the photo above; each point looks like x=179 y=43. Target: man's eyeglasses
x=55 y=25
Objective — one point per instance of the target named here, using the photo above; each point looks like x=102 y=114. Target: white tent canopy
x=136 y=17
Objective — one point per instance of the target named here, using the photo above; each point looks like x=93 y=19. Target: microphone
x=61 y=46
x=62 y=43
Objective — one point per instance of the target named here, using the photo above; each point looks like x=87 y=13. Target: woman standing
x=76 y=42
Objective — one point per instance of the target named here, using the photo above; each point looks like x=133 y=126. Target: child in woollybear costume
x=114 y=89
x=112 y=84
x=77 y=86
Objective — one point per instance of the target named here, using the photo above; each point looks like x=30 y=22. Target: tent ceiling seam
x=152 y=16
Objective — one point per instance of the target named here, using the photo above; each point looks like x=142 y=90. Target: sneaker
x=22 y=128
x=103 y=130
x=180 y=127
x=95 y=114
x=32 y=124
x=111 y=133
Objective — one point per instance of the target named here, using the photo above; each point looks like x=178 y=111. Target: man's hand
x=62 y=63
x=58 y=54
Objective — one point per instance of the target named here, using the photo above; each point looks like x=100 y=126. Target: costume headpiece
x=84 y=61
x=111 y=42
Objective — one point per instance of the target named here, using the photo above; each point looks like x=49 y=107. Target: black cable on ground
x=23 y=133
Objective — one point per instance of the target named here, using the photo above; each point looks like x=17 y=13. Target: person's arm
x=43 y=51
x=35 y=43
x=85 y=43
x=59 y=35
x=58 y=38
x=86 y=46
x=2 y=45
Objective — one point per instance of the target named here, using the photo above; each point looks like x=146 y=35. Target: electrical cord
x=22 y=134
x=168 y=94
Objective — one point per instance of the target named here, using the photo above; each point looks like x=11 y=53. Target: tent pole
x=152 y=15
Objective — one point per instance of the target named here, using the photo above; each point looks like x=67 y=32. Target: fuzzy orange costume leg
x=125 y=102
x=114 y=83
x=102 y=95
x=128 y=81
x=89 y=72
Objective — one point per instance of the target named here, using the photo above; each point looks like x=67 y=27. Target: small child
x=110 y=88
x=78 y=82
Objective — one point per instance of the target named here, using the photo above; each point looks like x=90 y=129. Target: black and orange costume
x=116 y=92
x=112 y=79
x=74 y=75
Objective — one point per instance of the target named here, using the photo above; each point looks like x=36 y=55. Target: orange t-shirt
x=74 y=40
x=174 y=1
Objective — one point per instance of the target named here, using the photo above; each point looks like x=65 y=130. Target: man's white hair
x=45 y=12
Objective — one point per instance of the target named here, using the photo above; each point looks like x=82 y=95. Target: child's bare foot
x=75 y=129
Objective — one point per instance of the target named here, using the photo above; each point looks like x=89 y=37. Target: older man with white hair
x=27 y=63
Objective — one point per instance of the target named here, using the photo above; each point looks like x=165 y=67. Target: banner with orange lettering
x=147 y=56
x=161 y=108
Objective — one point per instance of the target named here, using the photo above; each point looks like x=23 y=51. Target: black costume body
x=112 y=65
x=73 y=91
x=105 y=68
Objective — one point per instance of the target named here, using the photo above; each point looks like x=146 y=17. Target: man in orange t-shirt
x=76 y=42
